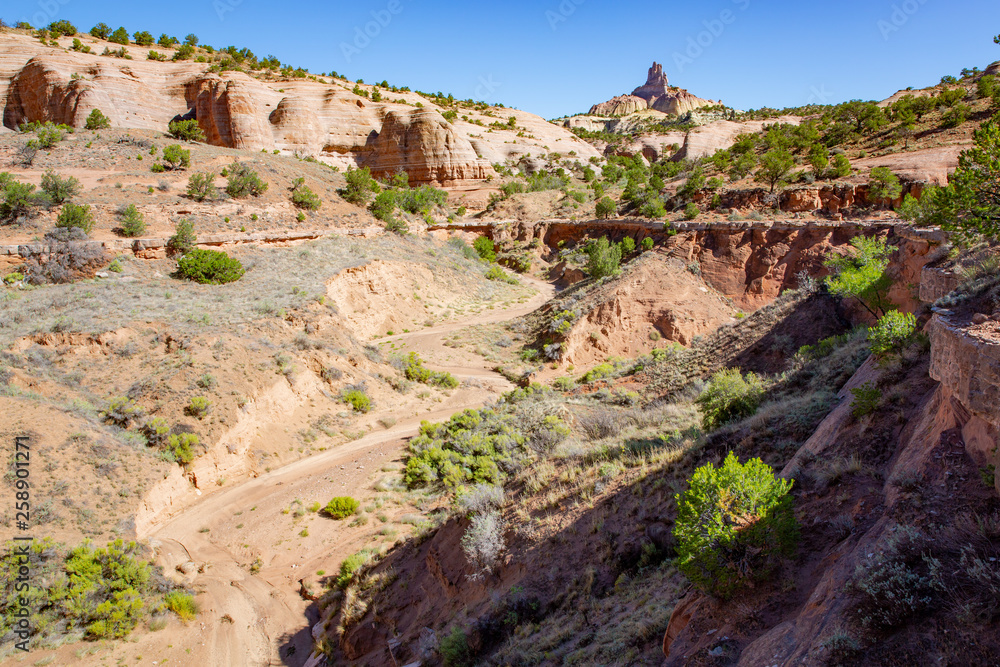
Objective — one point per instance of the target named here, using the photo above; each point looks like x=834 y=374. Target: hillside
x=317 y=372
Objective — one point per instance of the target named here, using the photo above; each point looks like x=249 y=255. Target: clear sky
x=558 y=57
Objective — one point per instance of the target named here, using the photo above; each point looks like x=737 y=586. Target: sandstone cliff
x=318 y=117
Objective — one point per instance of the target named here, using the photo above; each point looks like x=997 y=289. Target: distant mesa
x=656 y=93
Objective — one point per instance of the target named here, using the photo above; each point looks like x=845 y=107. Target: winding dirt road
x=261 y=619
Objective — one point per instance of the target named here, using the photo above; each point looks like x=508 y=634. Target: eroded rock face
x=427 y=147
x=315 y=118
x=656 y=93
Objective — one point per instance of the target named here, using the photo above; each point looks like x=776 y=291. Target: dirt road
x=261 y=619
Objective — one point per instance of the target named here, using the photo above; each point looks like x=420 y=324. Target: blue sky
x=558 y=57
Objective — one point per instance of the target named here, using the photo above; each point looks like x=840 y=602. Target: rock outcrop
x=427 y=147
x=656 y=93
x=316 y=117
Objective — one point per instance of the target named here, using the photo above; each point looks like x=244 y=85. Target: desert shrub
x=176 y=157
x=182 y=604
x=496 y=273
x=19 y=199
x=156 y=430
x=122 y=411
x=201 y=186
x=97 y=121
x=73 y=215
x=417 y=372
x=603 y=258
x=841 y=166
x=420 y=200
x=186 y=130
x=384 y=205
x=183 y=239
x=691 y=211
x=357 y=399
x=210 y=267
x=244 y=182
x=481 y=446
x=303 y=196
x=628 y=246
x=605 y=207
x=895 y=582
x=483 y=542
x=341 y=507
x=480 y=499
x=730 y=395
x=866 y=399
x=360 y=186
x=59 y=189
x=485 y=248
x=119 y=36
x=733 y=524
x=132 y=221
x=397 y=226
x=883 y=184
x=198 y=407
x=181 y=447
x=61 y=28
x=350 y=566
x=647 y=243
x=143 y=38
x=863 y=275
x=892 y=333
x=455 y=650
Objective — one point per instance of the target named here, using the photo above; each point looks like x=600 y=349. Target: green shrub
x=119 y=36
x=59 y=189
x=176 y=157
x=101 y=31
x=603 y=258
x=73 y=215
x=182 y=604
x=143 y=38
x=454 y=648
x=866 y=399
x=157 y=168
x=61 y=28
x=397 y=226
x=210 y=267
x=341 y=507
x=841 y=166
x=691 y=211
x=485 y=248
x=183 y=239
x=883 y=184
x=733 y=524
x=97 y=121
x=384 y=205
x=892 y=333
x=863 y=276
x=496 y=273
x=180 y=447
x=186 y=130
x=357 y=399
x=605 y=207
x=360 y=186
x=244 y=182
x=729 y=396
x=303 y=197
x=647 y=243
x=49 y=135
x=122 y=411
x=350 y=566
x=156 y=431
x=198 y=407
x=132 y=222
x=201 y=186
x=628 y=246
x=416 y=371
x=18 y=198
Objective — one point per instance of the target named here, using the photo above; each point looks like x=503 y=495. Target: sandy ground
x=251 y=620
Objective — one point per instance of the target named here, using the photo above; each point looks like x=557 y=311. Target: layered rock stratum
x=318 y=117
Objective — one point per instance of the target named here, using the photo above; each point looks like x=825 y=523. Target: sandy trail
x=250 y=620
